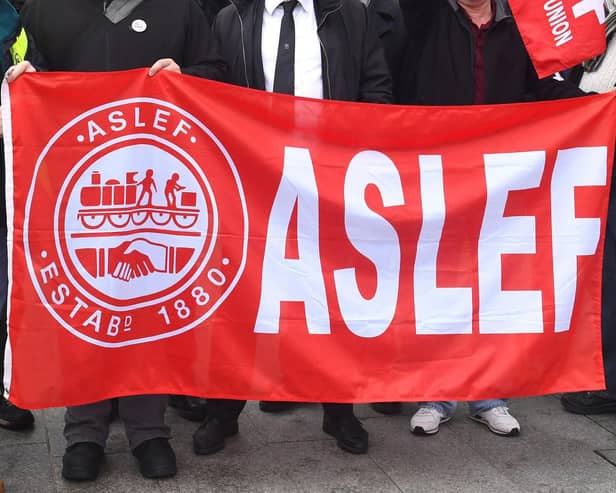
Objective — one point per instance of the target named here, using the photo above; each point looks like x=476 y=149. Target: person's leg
x=11 y=416
x=87 y=423
x=340 y=422
x=220 y=423
x=144 y=418
x=430 y=415
x=495 y=415
x=148 y=435
x=476 y=407
x=276 y=406
x=225 y=410
x=85 y=429
x=337 y=410
x=608 y=307
x=388 y=408
x=189 y=407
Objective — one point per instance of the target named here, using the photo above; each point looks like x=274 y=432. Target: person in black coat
x=341 y=58
x=17 y=46
x=106 y=35
x=349 y=73
x=466 y=52
x=599 y=75
x=440 y=68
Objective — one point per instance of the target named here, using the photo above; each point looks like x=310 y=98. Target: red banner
x=560 y=34
x=175 y=235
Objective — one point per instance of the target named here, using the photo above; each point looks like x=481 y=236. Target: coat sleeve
x=375 y=80
x=201 y=57
x=550 y=88
x=34 y=56
x=221 y=35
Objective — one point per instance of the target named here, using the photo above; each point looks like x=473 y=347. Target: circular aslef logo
x=135 y=225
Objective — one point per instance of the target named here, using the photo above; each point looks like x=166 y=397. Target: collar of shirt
x=271 y=5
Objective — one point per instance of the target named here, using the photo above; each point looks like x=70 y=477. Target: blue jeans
x=448 y=408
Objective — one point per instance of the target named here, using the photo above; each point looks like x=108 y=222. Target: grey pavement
x=556 y=452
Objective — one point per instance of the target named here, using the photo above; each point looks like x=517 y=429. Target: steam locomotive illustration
x=120 y=204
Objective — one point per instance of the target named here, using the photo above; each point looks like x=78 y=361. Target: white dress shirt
x=308 y=70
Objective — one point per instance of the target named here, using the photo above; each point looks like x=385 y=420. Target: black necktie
x=284 y=77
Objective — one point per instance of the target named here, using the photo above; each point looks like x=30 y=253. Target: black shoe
x=275 y=406
x=82 y=461
x=156 y=459
x=348 y=431
x=13 y=417
x=596 y=402
x=210 y=436
x=387 y=407
x=190 y=408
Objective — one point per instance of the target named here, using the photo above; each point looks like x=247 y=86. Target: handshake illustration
x=137 y=258
x=134 y=259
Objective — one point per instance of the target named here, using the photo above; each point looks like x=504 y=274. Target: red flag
x=174 y=235
x=560 y=34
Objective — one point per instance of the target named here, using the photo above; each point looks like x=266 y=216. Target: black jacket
x=75 y=35
x=211 y=8
x=439 y=68
x=354 y=67
x=390 y=29
x=34 y=57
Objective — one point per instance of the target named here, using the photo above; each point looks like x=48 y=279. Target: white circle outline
x=198 y=269
x=240 y=191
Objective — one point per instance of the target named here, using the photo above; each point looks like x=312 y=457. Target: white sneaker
x=427 y=420
x=499 y=421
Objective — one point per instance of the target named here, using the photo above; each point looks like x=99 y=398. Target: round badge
x=139 y=25
x=145 y=240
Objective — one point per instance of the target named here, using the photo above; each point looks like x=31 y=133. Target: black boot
x=13 y=417
x=348 y=431
x=82 y=461
x=210 y=436
x=598 y=402
x=156 y=458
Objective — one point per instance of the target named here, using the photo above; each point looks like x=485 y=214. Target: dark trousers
x=229 y=409
x=608 y=296
x=143 y=417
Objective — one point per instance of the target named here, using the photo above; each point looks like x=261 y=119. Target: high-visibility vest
x=20 y=47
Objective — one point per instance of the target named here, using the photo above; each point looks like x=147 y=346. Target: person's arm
x=375 y=84
x=201 y=57
x=34 y=56
x=550 y=88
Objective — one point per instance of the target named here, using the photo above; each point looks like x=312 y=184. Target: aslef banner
x=560 y=34
x=175 y=235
